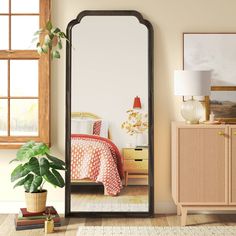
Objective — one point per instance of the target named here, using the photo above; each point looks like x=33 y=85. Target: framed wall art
x=215 y=52
x=222 y=103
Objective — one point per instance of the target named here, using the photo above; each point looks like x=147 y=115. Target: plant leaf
x=31 y=149
x=39 y=50
x=62 y=35
x=25 y=152
x=47 y=39
x=27 y=184
x=43 y=166
x=55 y=54
x=19 y=171
x=40 y=149
x=55 y=160
x=13 y=160
x=49 y=177
x=56 y=166
x=50 y=45
x=38 y=32
x=45 y=48
x=51 y=36
x=35 y=184
x=60 y=44
x=49 y=25
x=33 y=165
x=34 y=39
x=59 y=178
x=29 y=144
x=22 y=181
x=56 y=30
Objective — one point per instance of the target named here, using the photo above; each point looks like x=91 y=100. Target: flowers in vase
x=137 y=122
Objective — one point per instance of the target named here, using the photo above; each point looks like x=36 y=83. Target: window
x=24 y=75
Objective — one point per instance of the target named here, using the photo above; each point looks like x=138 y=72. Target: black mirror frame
x=150 y=211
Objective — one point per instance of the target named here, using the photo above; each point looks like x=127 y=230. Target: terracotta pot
x=36 y=202
x=54 y=41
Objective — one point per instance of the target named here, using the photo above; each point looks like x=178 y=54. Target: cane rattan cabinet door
x=202 y=163
x=232 y=166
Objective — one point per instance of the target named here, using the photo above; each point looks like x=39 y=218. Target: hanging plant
x=52 y=40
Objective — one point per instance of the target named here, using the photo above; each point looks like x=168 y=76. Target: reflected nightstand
x=135 y=163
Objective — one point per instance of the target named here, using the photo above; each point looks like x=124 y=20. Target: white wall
x=110 y=68
x=170 y=19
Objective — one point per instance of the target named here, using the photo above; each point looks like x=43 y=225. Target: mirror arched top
x=131 y=13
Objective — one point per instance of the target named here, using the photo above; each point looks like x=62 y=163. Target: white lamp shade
x=192 y=83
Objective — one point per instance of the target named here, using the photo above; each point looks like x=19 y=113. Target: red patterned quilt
x=98 y=159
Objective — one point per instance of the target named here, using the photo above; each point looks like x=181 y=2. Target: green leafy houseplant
x=52 y=41
x=37 y=167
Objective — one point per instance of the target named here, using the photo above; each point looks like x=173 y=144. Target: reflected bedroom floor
x=131 y=198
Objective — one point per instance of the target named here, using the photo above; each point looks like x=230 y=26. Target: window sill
x=13 y=145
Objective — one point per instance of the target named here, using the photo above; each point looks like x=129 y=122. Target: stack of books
x=28 y=220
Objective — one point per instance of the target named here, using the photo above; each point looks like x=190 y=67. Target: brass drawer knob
x=221 y=133
x=234 y=132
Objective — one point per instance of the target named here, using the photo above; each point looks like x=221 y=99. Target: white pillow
x=81 y=126
x=104 y=129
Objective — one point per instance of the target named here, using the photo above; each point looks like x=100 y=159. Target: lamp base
x=192 y=111
x=192 y=122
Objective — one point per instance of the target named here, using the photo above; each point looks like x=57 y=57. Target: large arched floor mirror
x=109 y=115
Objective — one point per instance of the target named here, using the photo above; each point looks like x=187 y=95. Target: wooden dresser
x=203 y=167
x=135 y=163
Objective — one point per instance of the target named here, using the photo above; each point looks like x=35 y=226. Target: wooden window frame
x=12 y=142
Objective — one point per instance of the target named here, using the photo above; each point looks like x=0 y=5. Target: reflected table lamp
x=137 y=103
x=192 y=83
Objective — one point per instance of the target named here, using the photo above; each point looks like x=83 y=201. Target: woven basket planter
x=36 y=202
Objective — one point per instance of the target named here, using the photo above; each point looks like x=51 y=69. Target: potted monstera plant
x=36 y=166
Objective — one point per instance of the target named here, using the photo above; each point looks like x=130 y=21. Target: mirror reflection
x=109 y=115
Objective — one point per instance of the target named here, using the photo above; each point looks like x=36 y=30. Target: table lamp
x=192 y=83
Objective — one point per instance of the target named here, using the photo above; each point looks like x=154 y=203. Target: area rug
x=156 y=231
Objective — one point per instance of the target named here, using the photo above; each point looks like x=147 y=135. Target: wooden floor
x=70 y=225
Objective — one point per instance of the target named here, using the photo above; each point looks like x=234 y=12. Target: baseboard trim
x=165 y=208
x=13 y=207
x=170 y=208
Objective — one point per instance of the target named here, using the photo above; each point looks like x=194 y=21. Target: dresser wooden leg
x=184 y=212
x=178 y=210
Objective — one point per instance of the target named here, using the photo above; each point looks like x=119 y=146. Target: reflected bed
x=95 y=158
